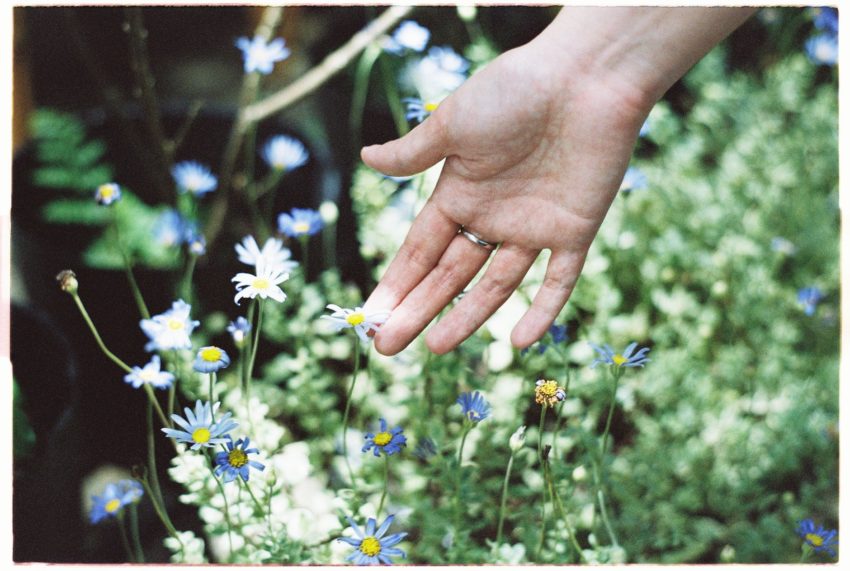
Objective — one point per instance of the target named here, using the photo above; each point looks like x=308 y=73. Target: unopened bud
x=466 y=13
x=517 y=439
x=68 y=281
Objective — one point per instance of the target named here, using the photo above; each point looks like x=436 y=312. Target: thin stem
x=257 y=503
x=356 y=349
x=304 y=240
x=361 y=91
x=186 y=283
x=97 y=337
x=616 y=376
x=124 y=542
x=543 y=465
x=128 y=268
x=386 y=484
x=255 y=343
x=391 y=89
x=212 y=394
x=134 y=534
x=226 y=510
x=504 y=500
x=604 y=513
x=180 y=135
x=563 y=514
x=458 y=493
x=155 y=403
x=152 y=473
x=163 y=516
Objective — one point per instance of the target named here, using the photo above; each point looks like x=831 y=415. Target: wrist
x=638 y=51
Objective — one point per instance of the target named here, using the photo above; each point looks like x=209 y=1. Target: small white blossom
x=264 y=284
x=273 y=256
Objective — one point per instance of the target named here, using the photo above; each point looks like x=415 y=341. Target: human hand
x=536 y=145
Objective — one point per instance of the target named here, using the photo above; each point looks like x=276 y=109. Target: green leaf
x=76 y=211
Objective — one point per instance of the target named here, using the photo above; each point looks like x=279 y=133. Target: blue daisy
x=193 y=177
x=150 y=374
x=239 y=330
x=171 y=329
x=235 y=462
x=210 y=359
x=473 y=406
x=408 y=36
x=819 y=538
x=301 y=222
x=284 y=153
x=115 y=497
x=372 y=547
x=634 y=179
x=418 y=109
x=627 y=358
x=809 y=297
x=199 y=428
x=107 y=193
x=823 y=49
x=388 y=442
x=168 y=229
x=261 y=55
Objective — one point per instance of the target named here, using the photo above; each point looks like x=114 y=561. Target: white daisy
x=365 y=325
x=273 y=256
x=264 y=284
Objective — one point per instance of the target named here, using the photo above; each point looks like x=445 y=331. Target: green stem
x=543 y=465
x=97 y=338
x=396 y=107
x=186 y=284
x=226 y=510
x=134 y=534
x=304 y=240
x=161 y=513
x=254 y=344
x=604 y=513
x=212 y=394
x=152 y=474
x=361 y=90
x=155 y=403
x=386 y=484
x=172 y=390
x=124 y=542
x=348 y=398
x=504 y=500
x=128 y=269
x=257 y=503
x=562 y=512
x=617 y=376
x=458 y=493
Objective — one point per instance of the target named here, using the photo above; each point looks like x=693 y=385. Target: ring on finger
x=477 y=240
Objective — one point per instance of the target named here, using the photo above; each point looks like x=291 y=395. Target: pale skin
x=535 y=147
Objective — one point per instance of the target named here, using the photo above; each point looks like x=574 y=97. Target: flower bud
x=517 y=439
x=329 y=212
x=467 y=13
x=67 y=281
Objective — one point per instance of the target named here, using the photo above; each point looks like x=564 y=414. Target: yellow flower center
x=237 y=458
x=619 y=360
x=546 y=393
x=201 y=435
x=383 y=438
x=355 y=319
x=301 y=227
x=549 y=388
x=211 y=354
x=106 y=192
x=431 y=107
x=112 y=506
x=175 y=324
x=370 y=546
x=261 y=283
x=814 y=539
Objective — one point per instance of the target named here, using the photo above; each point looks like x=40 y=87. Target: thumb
x=421 y=148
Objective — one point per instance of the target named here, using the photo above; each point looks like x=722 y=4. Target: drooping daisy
x=210 y=359
x=408 y=36
x=385 y=441
x=365 y=325
x=818 y=538
x=235 y=462
x=195 y=240
x=239 y=330
x=261 y=55
x=473 y=406
x=300 y=222
x=273 y=256
x=107 y=193
x=627 y=358
x=548 y=393
x=170 y=330
x=264 y=283
x=372 y=548
x=284 y=153
x=150 y=374
x=193 y=177
x=199 y=429
x=115 y=497
x=169 y=228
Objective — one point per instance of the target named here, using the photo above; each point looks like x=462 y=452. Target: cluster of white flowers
x=272 y=265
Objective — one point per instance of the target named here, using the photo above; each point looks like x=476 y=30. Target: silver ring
x=477 y=240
